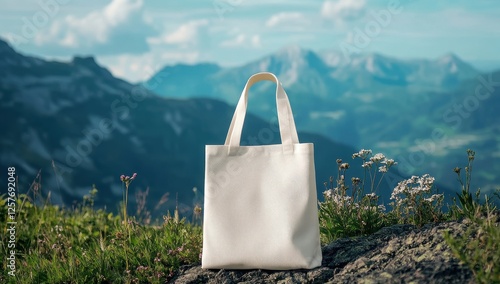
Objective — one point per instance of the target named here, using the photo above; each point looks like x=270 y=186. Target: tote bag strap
x=288 y=131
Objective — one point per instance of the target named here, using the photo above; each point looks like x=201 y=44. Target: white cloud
x=118 y=27
x=138 y=68
x=181 y=44
x=256 y=41
x=284 y=18
x=244 y=41
x=134 y=68
x=118 y=11
x=238 y=40
x=341 y=10
x=186 y=34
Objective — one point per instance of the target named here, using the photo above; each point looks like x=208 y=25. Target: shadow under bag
x=261 y=209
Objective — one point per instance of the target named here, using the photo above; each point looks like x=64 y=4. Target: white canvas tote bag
x=260 y=201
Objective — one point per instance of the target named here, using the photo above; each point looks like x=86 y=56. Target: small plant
x=126 y=180
x=372 y=165
x=414 y=201
x=479 y=247
x=469 y=206
x=347 y=210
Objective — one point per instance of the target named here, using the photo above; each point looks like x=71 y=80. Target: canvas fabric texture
x=260 y=207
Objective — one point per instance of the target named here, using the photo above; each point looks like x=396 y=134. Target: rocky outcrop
x=396 y=254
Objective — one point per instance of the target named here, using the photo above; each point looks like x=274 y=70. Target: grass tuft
x=84 y=245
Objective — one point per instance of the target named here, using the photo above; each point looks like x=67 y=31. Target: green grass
x=479 y=247
x=87 y=245
x=83 y=245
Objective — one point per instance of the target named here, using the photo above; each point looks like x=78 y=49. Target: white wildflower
x=389 y=162
x=413 y=186
x=328 y=193
x=382 y=169
x=377 y=158
x=371 y=195
x=399 y=189
x=381 y=208
x=363 y=154
x=426 y=181
x=413 y=179
x=348 y=199
x=433 y=198
x=338 y=199
x=341 y=200
x=344 y=166
x=367 y=164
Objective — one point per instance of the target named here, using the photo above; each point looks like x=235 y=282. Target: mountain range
x=70 y=125
x=67 y=126
x=424 y=112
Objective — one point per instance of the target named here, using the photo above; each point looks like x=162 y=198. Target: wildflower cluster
x=354 y=209
x=415 y=202
x=347 y=209
x=414 y=186
x=373 y=164
x=363 y=154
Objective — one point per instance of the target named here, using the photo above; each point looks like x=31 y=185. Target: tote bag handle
x=288 y=131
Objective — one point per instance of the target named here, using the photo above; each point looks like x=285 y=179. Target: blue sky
x=135 y=38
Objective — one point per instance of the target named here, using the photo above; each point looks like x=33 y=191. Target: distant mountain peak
x=334 y=58
x=5 y=47
x=89 y=63
x=454 y=63
x=292 y=53
x=291 y=49
x=450 y=56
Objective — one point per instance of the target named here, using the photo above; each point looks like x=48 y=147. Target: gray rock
x=396 y=254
